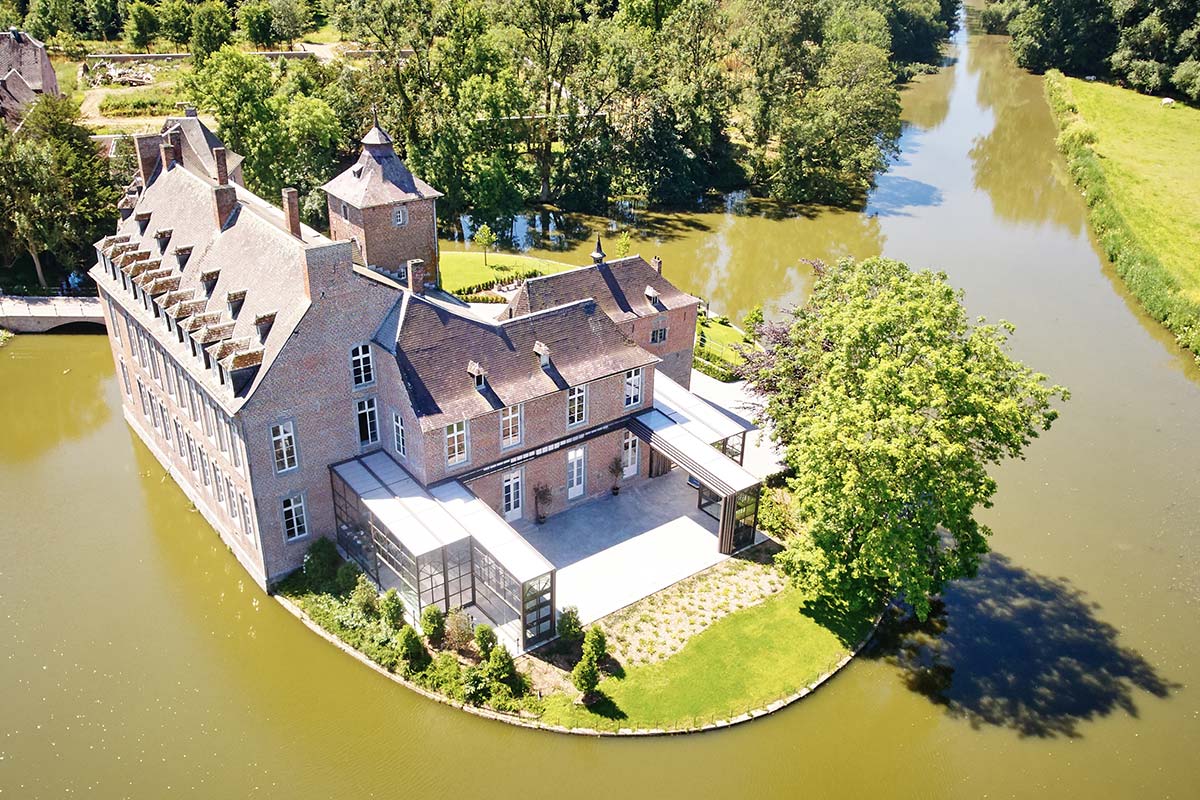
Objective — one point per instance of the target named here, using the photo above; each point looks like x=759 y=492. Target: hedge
x=1148 y=279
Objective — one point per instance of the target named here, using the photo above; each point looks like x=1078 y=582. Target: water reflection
x=1016 y=163
x=52 y=408
x=898 y=196
x=1019 y=650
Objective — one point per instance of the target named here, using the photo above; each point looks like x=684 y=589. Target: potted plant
x=617 y=470
x=542 y=497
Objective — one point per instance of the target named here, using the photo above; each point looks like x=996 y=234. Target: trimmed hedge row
x=503 y=280
x=1151 y=283
x=713 y=367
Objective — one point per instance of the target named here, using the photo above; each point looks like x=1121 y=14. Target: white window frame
x=576 y=472
x=630 y=455
x=582 y=393
x=370 y=407
x=295 y=518
x=461 y=452
x=398 y=438
x=511 y=416
x=283 y=434
x=634 y=385
x=362 y=365
x=125 y=380
x=512 y=495
x=400 y=216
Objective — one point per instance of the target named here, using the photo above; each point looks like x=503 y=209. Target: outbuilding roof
x=626 y=288
x=435 y=343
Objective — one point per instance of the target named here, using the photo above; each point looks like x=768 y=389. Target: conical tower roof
x=379 y=177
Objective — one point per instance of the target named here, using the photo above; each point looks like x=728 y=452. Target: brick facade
x=383 y=243
x=677 y=351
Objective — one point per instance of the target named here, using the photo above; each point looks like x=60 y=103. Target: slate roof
x=198 y=145
x=619 y=287
x=21 y=52
x=252 y=257
x=434 y=343
x=379 y=177
x=15 y=95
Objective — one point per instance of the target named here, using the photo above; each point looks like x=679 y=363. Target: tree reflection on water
x=1015 y=649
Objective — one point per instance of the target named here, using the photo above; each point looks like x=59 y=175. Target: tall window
x=283 y=443
x=510 y=426
x=295 y=524
x=511 y=500
x=575 y=458
x=368 y=421
x=629 y=455
x=398 y=433
x=361 y=368
x=456 y=443
x=125 y=379
x=633 y=387
x=400 y=216
x=576 y=405
x=658 y=335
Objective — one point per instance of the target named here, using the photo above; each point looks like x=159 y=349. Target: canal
x=138 y=661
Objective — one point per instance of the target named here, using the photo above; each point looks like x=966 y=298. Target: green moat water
x=138 y=661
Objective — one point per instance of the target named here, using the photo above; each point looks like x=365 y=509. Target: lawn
x=329 y=34
x=1151 y=157
x=464 y=269
x=143 y=101
x=720 y=339
x=743 y=661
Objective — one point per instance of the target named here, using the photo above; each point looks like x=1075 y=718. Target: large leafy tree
x=1076 y=36
x=892 y=407
x=141 y=25
x=212 y=27
x=56 y=193
x=254 y=18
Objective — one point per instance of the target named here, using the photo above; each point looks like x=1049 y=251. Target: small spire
x=598 y=253
x=374 y=115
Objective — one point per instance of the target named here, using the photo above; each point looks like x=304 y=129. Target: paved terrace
x=42 y=314
x=613 y=551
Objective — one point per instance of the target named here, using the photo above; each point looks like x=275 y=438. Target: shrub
x=503 y=699
x=391 y=610
x=476 y=688
x=459 y=631
x=346 y=578
x=485 y=640
x=321 y=563
x=445 y=675
x=751 y=323
x=595 y=644
x=586 y=675
x=500 y=667
x=411 y=650
x=364 y=598
x=569 y=629
x=433 y=623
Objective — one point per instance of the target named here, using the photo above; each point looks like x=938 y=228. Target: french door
x=574 y=473
x=513 y=496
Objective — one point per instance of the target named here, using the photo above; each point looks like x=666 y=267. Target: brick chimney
x=656 y=262
x=176 y=138
x=291 y=211
x=147 y=155
x=166 y=155
x=416 y=276
x=222 y=167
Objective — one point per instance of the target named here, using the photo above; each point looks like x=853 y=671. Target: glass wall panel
x=745 y=517
x=538 y=610
x=497 y=593
x=710 y=502
x=459 y=585
x=431 y=575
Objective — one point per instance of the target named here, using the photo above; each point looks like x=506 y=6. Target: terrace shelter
x=443 y=547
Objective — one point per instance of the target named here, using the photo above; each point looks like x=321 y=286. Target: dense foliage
x=1149 y=45
x=891 y=407
x=56 y=193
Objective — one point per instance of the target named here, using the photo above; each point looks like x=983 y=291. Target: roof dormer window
x=543 y=353
x=235 y=301
x=263 y=325
x=143 y=220
x=181 y=255
x=652 y=295
x=209 y=280
x=479 y=374
x=163 y=237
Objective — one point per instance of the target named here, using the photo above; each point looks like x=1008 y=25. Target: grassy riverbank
x=742 y=662
x=1139 y=168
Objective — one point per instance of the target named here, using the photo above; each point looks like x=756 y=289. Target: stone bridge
x=42 y=314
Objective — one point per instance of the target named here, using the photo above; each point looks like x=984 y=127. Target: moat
x=141 y=662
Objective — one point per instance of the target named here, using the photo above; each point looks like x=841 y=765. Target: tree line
x=1149 y=45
